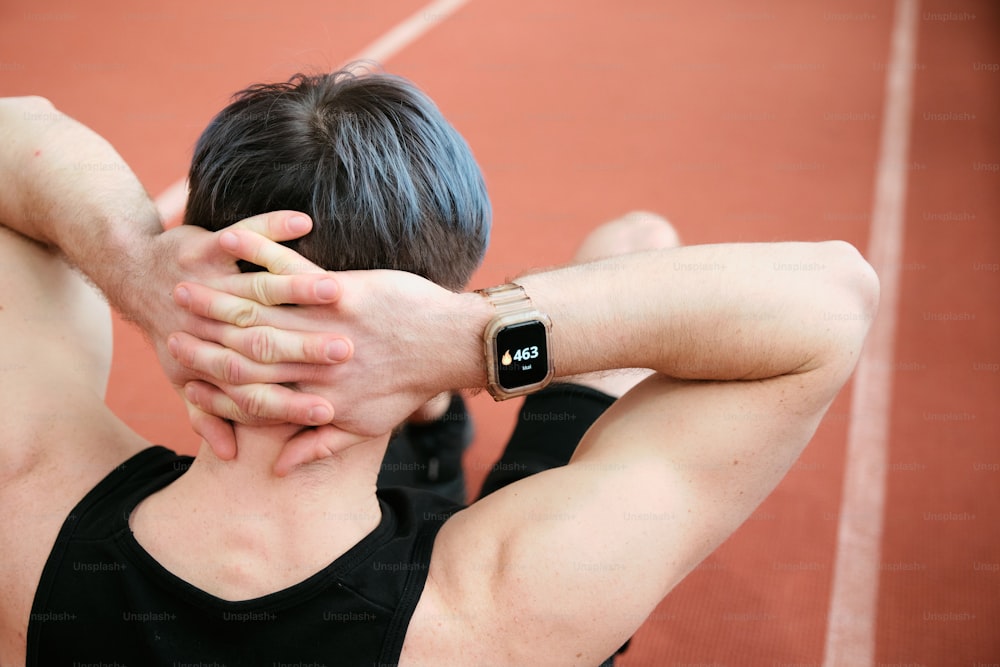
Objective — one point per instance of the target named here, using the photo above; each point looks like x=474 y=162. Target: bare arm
x=67 y=188
x=717 y=312
x=748 y=355
x=712 y=312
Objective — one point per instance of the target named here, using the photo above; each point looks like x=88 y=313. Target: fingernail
x=320 y=415
x=298 y=224
x=337 y=350
x=172 y=346
x=182 y=296
x=326 y=289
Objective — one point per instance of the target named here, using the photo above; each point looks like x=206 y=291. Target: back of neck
x=238 y=531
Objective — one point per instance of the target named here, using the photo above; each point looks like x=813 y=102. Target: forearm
x=713 y=312
x=68 y=188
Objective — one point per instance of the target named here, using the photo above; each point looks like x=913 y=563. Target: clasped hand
x=349 y=354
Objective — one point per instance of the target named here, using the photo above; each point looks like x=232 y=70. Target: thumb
x=217 y=432
x=313 y=444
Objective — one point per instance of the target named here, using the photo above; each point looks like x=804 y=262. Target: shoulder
x=38 y=507
x=512 y=581
x=56 y=355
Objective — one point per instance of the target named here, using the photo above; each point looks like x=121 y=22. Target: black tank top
x=102 y=600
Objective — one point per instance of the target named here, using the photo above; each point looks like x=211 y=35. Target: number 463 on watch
x=516 y=344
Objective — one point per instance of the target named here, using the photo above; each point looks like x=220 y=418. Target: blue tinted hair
x=389 y=183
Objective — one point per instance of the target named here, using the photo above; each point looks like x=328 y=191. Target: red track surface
x=739 y=121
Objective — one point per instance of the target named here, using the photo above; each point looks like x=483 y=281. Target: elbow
x=858 y=282
x=40 y=103
x=839 y=304
x=852 y=304
x=28 y=104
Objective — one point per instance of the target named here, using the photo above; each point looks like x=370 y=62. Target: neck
x=345 y=480
x=253 y=532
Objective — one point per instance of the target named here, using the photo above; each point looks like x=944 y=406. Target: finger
x=271 y=289
x=260 y=250
x=212 y=401
x=213 y=304
x=196 y=248
x=229 y=367
x=259 y=404
x=312 y=445
x=222 y=306
x=268 y=345
x=276 y=225
x=217 y=432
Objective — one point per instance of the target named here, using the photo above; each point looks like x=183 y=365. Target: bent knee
x=633 y=232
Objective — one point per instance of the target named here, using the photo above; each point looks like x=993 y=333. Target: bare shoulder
x=537 y=573
x=544 y=571
x=57 y=334
x=59 y=437
x=55 y=363
x=562 y=567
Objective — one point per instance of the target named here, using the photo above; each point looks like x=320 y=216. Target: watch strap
x=507 y=299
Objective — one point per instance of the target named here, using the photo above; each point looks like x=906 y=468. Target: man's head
x=387 y=180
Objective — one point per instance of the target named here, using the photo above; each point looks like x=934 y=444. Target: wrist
x=473 y=314
x=132 y=281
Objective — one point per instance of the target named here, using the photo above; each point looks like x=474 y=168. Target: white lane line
x=171 y=201
x=851 y=621
x=409 y=30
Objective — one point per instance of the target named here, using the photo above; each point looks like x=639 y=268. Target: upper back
x=99 y=583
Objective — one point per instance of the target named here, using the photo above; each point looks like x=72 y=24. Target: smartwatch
x=516 y=344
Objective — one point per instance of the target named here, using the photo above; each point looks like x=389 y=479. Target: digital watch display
x=522 y=355
x=516 y=344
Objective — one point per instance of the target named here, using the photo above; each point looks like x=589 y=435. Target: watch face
x=522 y=355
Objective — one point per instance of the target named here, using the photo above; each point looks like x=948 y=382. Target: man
x=218 y=563
x=391 y=185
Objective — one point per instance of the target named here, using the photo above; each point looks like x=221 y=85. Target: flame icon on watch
x=506 y=359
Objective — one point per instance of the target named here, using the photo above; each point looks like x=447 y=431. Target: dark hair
x=389 y=183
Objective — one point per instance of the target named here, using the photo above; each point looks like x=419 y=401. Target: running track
x=747 y=121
